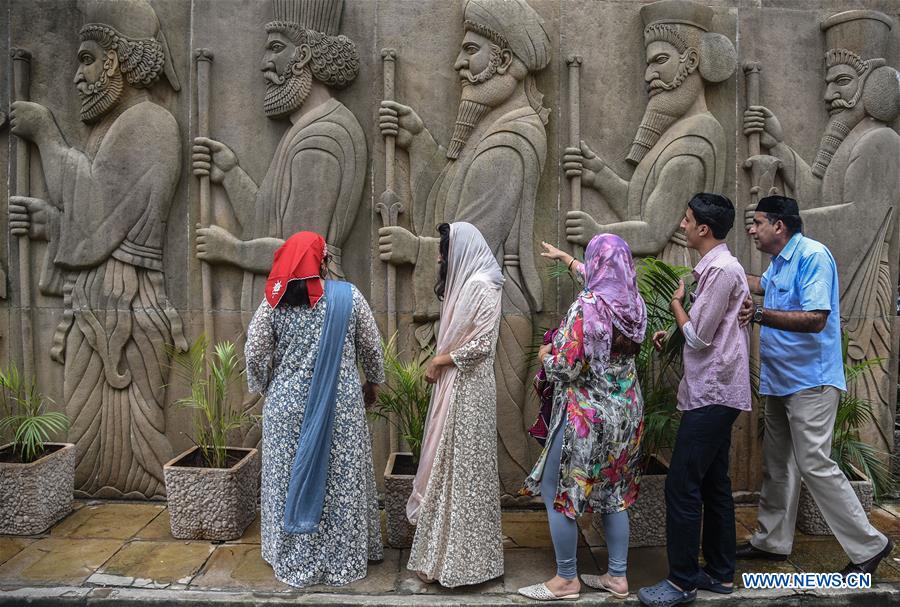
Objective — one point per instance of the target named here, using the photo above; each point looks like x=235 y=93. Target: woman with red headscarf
x=590 y=461
x=319 y=515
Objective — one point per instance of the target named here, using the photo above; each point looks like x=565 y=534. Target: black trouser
x=698 y=482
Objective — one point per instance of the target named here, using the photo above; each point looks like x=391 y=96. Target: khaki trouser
x=797 y=444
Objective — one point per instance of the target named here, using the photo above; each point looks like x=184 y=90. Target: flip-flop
x=596 y=582
x=707 y=582
x=664 y=594
x=540 y=592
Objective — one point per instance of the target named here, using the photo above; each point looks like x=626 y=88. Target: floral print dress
x=281 y=350
x=599 y=464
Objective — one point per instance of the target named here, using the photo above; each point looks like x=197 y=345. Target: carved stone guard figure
x=315 y=180
x=488 y=176
x=854 y=181
x=679 y=148
x=105 y=223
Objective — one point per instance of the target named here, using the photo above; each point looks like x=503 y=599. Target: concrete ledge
x=883 y=594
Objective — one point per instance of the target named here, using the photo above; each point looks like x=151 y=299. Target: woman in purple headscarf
x=590 y=461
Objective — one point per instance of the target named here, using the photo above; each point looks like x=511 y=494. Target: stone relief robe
x=860 y=191
x=493 y=186
x=688 y=158
x=314 y=182
x=105 y=258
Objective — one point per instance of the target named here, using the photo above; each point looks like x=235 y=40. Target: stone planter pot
x=647 y=516
x=809 y=518
x=214 y=504
x=399 y=474
x=34 y=496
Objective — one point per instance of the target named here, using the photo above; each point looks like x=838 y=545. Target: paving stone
x=527 y=529
x=107 y=521
x=746 y=516
x=892 y=507
x=57 y=561
x=885 y=521
x=525 y=567
x=827 y=556
x=646 y=566
x=251 y=534
x=159 y=562
x=11 y=546
x=158 y=529
x=238 y=567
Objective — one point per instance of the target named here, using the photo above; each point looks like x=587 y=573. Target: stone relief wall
x=291 y=126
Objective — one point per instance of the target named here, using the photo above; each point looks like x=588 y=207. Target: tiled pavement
x=120 y=552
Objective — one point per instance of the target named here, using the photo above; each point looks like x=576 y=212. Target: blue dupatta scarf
x=306 y=491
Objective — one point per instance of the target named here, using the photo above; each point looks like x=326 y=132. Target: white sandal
x=540 y=592
x=596 y=582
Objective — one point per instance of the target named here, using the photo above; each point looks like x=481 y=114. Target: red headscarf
x=299 y=258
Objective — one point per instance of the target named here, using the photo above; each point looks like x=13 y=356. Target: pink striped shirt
x=716 y=352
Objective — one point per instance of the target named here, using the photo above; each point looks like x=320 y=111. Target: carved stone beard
x=476 y=100
x=286 y=92
x=664 y=108
x=839 y=126
x=101 y=96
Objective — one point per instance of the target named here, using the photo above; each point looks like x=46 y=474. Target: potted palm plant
x=212 y=487
x=37 y=477
x=403 y=403
x=863 y=465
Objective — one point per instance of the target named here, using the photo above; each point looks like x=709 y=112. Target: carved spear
x=763 y=168
x=203 y=57
x=21 y=64
x=574 y=62
x=390 y=207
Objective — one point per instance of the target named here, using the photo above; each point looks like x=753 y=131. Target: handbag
x=544 y=389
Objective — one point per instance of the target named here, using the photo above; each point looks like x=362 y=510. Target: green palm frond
x=403 y=400
x=214 y=380
x=25 y=417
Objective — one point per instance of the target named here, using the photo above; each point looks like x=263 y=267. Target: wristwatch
x=757 y=315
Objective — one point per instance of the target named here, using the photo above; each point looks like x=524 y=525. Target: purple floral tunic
x=599 y=466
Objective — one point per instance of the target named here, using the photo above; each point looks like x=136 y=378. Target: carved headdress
x=514 y=25
x=323 y=16
x=334 y=60
x=132 y=29
x=511 y=24
x=685 y=25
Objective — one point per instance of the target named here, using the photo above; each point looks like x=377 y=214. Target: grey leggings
x=564 y=530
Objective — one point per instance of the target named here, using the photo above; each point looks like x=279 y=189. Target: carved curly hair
x=841 y=56
x=141 y=60
x=334 y=60
x=661 y=32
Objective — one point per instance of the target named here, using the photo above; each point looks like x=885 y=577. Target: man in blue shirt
x=802 y=375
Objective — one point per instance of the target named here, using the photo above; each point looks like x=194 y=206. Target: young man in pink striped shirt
x=714 y=390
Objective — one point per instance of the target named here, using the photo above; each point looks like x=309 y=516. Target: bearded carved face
x=98 y=79
x=287 y=73
x=487 y=82
x=666 y=67
x=674 y=84
x=842 y=88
